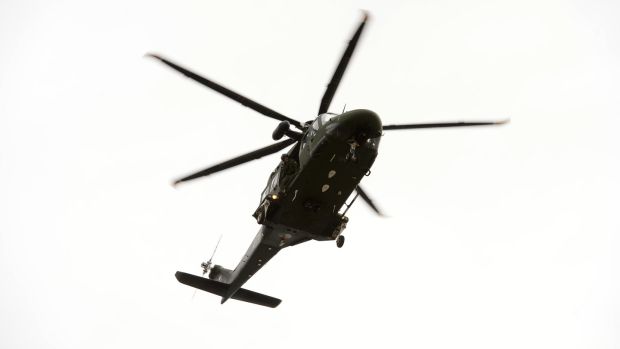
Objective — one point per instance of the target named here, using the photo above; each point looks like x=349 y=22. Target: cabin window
x=315 y=124
x=326 y=117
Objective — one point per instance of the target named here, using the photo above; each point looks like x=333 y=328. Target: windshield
x=324 y=118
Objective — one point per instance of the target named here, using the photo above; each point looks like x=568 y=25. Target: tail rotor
x=206 y=266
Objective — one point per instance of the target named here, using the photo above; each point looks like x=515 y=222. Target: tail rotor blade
x=215 y=249
x=253 y=155
x=206 y=266
x=444 y=124
x=340 y=69
x=226 y=92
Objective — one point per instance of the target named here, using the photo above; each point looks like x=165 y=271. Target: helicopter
x=307 y=191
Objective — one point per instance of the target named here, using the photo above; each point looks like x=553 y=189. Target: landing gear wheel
x=340 y=241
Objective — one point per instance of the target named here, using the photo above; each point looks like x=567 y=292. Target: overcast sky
x=497 y=237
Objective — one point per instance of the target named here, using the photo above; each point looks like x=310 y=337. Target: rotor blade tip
x=502 y=122
x=153 y=55
x=175 y=183
x=366 y=15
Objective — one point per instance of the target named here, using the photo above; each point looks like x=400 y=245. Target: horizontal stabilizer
x=220 y=289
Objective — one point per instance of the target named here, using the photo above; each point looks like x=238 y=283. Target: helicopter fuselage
x=306 y=191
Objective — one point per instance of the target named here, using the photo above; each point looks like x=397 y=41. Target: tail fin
x=220 y=289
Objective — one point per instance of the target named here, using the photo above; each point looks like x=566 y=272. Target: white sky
x=498 y=237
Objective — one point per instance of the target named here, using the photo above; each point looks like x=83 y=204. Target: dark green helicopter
x=307 y=190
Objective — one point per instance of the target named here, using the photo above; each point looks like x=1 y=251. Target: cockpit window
x=326 y=117
x=322 y=120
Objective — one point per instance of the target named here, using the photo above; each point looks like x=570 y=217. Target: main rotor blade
x=443 y=124
x=342 y=66
x=226 y=92
x=367 y=199
x=253 y=155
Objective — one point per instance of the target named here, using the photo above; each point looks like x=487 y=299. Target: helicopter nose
x=360 y=124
